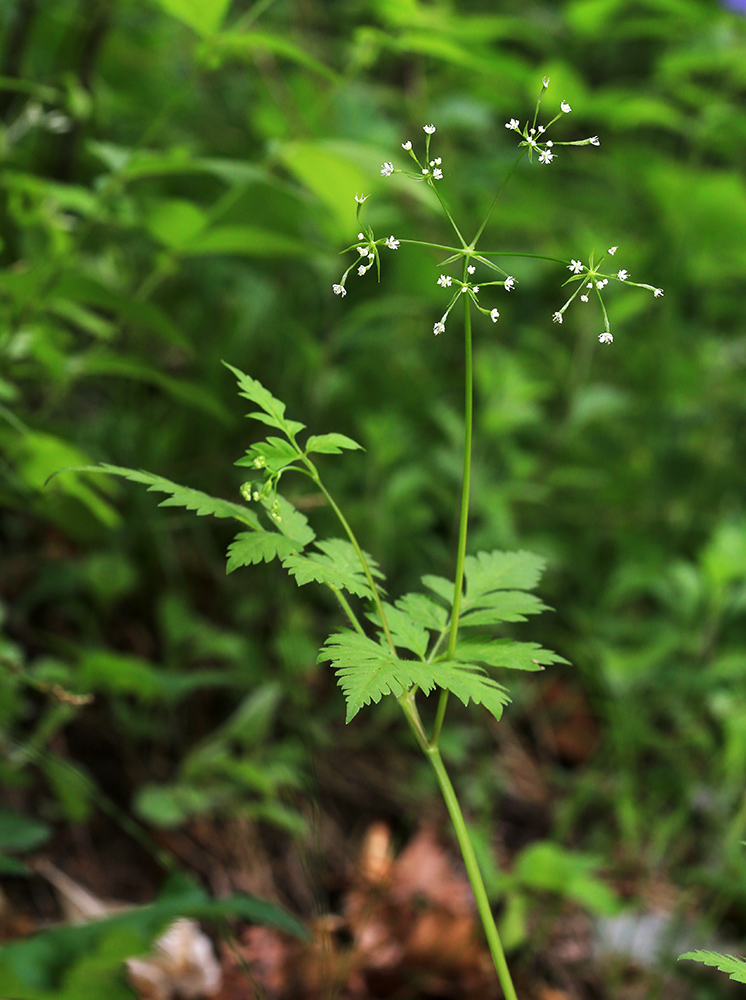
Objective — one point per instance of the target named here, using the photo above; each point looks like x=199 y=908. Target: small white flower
x=361 y=270
x=392 y=243
x=509 y=283
x=361 y=236
x=387 y=169
x=583 y=298
x=602 y=283
x=530 y=141
x=549 y=143
x=445 y=280
x=363 y=251
x=406 y=145
x=594 y=141
x=658 y=292
x=541 y=129
x=546 y=156
x=440 y=326
x=565 y=107
x=428 y=128
x=576 y=266
x=605 y=338
x=339 y=290
x=425 y=170
x=612 y=250
x=475 y=289
x=437 y=174
x=513 y=124
x=622 y=275
x=436 y=162
x=360 y=198
x=557 y=318
x=494 y=315
x=471 y=269
x=590 y=285
x=545 y=82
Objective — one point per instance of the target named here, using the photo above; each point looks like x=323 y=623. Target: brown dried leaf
x=184 y=966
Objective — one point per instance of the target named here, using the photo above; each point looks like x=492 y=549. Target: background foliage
x=176 y=180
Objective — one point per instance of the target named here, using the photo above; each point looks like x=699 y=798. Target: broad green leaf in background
x=204 y=16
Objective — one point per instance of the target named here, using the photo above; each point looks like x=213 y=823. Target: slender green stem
x=475 y=876
x=360 y=554
x=497 y=197
x=464 y=517
x=450 y=217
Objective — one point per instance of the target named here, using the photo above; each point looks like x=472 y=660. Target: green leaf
x=502 y=606
x=489 y=571
x=242 y=241
x=18 y=833
x=367 y=671
x=337 y=566
x=330 y=444
x=469 y=683
x=507 y=653
x=250 y=547
x=273 y=409
x=292 y=524
x=181 y=496
x=735 y=967
x=175 y=222
x=249 y=43
x=405 y=631
x=275 y=454
x=426 y=612
x=203 y=16
x=439 y=585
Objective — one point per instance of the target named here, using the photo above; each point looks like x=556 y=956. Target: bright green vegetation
x=176 y=181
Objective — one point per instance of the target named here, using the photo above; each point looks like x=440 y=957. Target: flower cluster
x=428 y=170
x=367 y=250
x=533 y=134
x=589 y=278
x=469 y=288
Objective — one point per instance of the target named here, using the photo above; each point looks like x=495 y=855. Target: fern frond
x=734 y=967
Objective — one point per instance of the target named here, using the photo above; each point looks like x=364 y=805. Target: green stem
x=360 y=554
x=464 y=518
x=497 y=197
x=472 y=870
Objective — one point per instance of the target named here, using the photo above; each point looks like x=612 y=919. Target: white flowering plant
x=449 y=637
